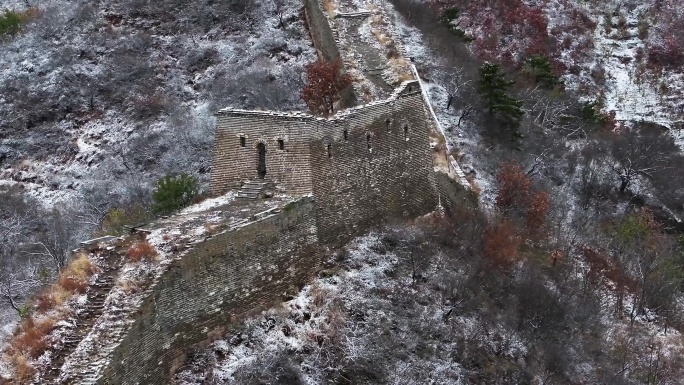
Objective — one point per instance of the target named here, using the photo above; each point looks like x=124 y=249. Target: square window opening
x=243 y=141
x=281 y=144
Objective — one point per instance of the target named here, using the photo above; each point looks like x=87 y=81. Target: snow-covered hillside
x=406 y=308
x=108 y=96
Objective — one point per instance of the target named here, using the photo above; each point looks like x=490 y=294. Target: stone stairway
x=97 y=294
x=254 y=189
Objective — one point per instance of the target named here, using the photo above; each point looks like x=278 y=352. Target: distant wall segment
x=323 y=36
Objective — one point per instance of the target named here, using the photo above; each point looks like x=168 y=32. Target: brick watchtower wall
x=372 y=164
x=236 y=154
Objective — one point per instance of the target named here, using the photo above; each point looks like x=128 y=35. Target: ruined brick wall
x=453 y=194
x=322 y=34
x=363 y=167
x=324 y=38
x=217 y=281
x=373 y=164
x=233 y=163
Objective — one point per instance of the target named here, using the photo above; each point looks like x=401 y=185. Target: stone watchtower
x=263 y=146
x=362 y=166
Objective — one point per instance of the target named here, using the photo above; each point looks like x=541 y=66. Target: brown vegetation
x=324 y=83
x=141 y=251
x=32 y=337
x=517 y=198
x=501 y=245
x=74 y=278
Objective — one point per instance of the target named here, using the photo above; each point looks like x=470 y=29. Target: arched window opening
x=406 y=131
x=329 y=150
x=345 y=133
x=368 y=142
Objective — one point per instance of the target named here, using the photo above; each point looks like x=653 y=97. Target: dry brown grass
x=318 y=295
x=29 y=342
x=52 y=297
x=405 y=76
x=329 y=7
x=23 y=372
x=31 y=14
x=30 y=339
x=381 y=37
x=141 y=251
x=130 y=286
x=74 y=278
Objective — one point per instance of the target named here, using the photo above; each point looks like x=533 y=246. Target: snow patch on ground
x=210 y=203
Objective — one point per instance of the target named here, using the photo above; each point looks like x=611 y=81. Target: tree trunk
x=624 y=182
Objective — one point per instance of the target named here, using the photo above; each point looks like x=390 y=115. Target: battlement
x=280 y=143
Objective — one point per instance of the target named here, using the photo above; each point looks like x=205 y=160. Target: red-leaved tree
x=518 y=199
x=324 y=83
x=501 y=245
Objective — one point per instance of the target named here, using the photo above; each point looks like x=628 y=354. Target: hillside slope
x=420 y=305
x=103 y=97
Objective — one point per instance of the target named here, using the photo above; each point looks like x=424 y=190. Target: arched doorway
x=261 y=165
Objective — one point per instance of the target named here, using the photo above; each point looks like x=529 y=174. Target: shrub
x=74 y=278
x=141 y=251
x=31 y=338
x=116 y=219
x=501 y=245
x=54 y=296
x=73 y=284
x=24 y=311
x=535 y=218
x=324 y=83
x=518 y=199
x=10 y=23
x=173 y=192
x=23 y=372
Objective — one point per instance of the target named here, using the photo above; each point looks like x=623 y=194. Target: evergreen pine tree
x=173 y=192
x=493 y=87
x=540 y=68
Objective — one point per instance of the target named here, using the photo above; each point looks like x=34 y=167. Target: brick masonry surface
x=215 y=282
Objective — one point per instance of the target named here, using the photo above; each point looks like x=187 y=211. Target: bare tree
x=455 y=85
x=59 y=237
x=17 y=274
x=645 y=151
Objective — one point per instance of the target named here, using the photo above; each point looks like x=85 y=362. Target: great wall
x=294 y=188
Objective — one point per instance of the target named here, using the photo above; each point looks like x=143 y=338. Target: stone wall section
x=325 y=39
x=452 y=193
x=217 y=281
x=295 y=169
x=234 y=163
x=372 y=165
x=322 y=33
